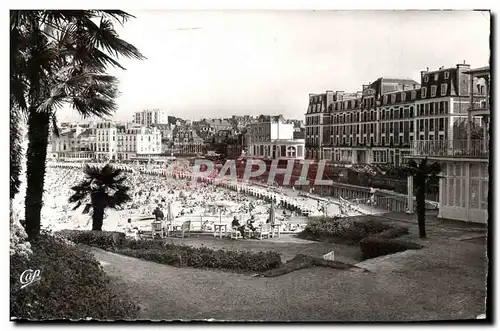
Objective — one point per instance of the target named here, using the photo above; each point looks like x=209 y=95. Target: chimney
x=329 y=97
x=427 y=69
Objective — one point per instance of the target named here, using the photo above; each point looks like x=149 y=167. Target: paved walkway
x=445 y=280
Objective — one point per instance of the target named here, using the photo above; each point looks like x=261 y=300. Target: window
x=433 y=91
x=446 y=75
x=426 y=78
x=393 y=98
x=411 y=126
x=444 y=88
x=441 y=124
x=403 y=97
x=436 y=76
x=385 y=99
x=424 y=92
x=413 y=95
x=380 y=156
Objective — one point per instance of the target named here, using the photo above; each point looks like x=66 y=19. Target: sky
x=223 y=63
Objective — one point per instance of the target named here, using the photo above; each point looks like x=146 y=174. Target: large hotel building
x=383 y=122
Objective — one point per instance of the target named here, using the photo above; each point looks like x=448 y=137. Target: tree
x=60 y=58
x=422 y=173
x=103 y=188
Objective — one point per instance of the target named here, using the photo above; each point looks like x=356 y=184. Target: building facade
x=380 y=123
x=151 y=116
x=134 y=141
x=186 y=141
x=463 y=150
x=272 y=137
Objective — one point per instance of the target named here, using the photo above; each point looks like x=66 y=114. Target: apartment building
x=135 y=141
x=272 y=137
x=151 y=116
x=186 y=141
x=380 y=123
x=73 y=143
x=209 y=127
x=104 y=146
x=462 y=148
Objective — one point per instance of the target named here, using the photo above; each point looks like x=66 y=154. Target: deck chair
x=156 y=229
x=264 y=231
x=184 y=230
x=235 y=233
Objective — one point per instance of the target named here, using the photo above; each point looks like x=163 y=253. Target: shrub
x=72 y=286
x=100 y=239
x=19 y=244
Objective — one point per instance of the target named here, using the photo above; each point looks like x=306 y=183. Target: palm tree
x=60 y=58
x=422 y=173
x=103 y=188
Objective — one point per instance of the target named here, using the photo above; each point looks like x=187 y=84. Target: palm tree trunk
x=421 y=206
x=38 y=135
x=97 y=218
x=15 y=151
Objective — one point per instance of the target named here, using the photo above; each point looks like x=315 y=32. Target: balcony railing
x=452 y=148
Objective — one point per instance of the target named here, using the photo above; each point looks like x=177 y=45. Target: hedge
x=72 y=286
x=374 y=237
x=101 y=239
x=349 y=228
x=179 y=255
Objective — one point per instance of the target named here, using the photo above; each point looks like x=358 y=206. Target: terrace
x=478 y=149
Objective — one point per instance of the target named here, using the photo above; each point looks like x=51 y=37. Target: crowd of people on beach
x=202 y=203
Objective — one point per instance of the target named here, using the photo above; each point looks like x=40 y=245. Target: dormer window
x=413 y=95
x=424 y=92
x=426 y=78
x=433 y=91
x=393 y=98
x=403 y=97
x=444 y=88
x=446 y=75
x=385 y=99
x=436 y=76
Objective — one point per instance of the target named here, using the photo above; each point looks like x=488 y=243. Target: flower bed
x=72 y=286
x=180 y=255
